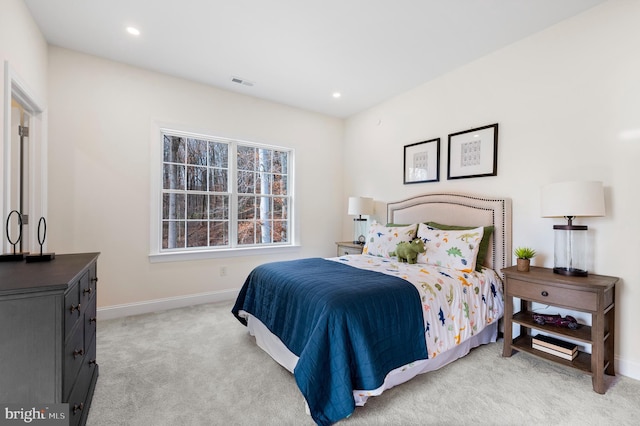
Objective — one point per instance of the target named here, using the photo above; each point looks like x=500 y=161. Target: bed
x=350 y=327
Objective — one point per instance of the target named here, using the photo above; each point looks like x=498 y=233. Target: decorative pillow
x=381 y=240
x=449 y=248
x=484 y=244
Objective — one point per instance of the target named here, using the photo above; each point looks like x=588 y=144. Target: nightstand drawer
x=345 y=248
x=349 y=250
x=557 y=296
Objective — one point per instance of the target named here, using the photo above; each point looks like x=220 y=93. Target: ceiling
x=299 y=52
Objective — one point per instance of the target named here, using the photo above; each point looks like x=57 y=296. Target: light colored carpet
x=199 y=366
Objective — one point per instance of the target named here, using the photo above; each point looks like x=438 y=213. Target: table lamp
x=360 y=206
x=571 y=200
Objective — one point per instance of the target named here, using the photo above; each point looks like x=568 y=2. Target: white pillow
x=450 y=249
x=381 y=240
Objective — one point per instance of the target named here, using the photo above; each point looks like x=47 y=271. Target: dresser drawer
x=72 y=308
x=90 y=320
x=87 y=288
x=74 y=352
x=90 y=358
x=78 y=402
x=557 y=296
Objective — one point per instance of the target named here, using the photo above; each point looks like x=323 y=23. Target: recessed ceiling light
x=133 y=31
x=336 y=95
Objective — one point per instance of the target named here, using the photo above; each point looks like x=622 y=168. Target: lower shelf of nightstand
x=582 y=334
x=581 y=362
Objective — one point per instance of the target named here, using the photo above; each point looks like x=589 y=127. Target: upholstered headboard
x=464 y=210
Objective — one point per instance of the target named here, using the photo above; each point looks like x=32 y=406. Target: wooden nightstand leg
x=508 y=327
x=597 y=352
x=609 y=346
x=598 y=384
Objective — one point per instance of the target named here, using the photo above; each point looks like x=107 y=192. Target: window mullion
x=185 y=214
x=208 y=177
x=233 y=194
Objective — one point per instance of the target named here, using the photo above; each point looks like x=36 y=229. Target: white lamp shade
x=572 y=199
x=360 y=206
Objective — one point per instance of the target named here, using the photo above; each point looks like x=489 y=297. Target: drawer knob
x=77 y=352
x=87 y=290
x=92 y=320
x=92 y=361
x=94 y=279
x=545 y=293
x=75 y=308
x=78 y=407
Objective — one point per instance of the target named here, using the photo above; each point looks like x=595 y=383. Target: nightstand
x=594 y=294
x=348 y=247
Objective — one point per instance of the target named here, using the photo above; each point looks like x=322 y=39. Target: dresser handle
x=94 y=279
x=94 y=319
x=87 y=290
x=92 y=361
x=545 y=293
x=77 y=352
x=77 y=407
x=75 y=308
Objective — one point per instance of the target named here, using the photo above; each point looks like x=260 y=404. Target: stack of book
x=554 y=346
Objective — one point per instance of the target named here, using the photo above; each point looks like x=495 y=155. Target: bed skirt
x=272 y=345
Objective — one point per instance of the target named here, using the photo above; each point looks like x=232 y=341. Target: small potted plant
x=524 y=255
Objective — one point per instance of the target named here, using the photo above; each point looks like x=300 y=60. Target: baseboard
x=148 y=306
x=627 y=368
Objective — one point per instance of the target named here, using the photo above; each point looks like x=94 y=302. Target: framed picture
x=473 y=153
x=422 y=162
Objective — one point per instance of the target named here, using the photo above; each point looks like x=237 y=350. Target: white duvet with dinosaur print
x=456 y=304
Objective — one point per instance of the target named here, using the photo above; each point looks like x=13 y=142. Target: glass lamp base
x=570 y=253
x=359 y=230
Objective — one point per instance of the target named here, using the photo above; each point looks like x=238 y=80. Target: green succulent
x=524 y=252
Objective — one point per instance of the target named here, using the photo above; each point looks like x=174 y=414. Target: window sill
x=219 y=254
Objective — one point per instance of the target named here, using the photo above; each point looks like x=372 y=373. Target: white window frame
x=158 y=254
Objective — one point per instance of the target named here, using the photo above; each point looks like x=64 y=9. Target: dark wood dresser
x=48 y=332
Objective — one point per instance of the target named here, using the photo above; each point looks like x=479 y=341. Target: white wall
x=23 y=46
x=24 y=49
x=567 y=101
x=101 y=119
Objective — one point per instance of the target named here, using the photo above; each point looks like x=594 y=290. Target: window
x=221 y=194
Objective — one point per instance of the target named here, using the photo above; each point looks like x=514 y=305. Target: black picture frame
x=422 y=162
x=473 y=153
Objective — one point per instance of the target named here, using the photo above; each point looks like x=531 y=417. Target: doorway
x=24 y=165
x=19 y=174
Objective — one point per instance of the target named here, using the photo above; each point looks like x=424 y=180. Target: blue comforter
x=349 y=327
